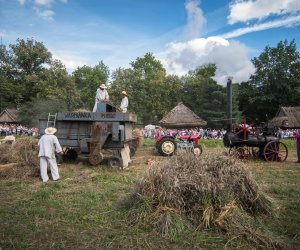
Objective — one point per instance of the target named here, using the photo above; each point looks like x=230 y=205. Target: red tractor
x=167 y=145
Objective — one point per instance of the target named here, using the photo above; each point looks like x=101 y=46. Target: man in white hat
x=101 y=95
x=48 y=146
x=124 y=102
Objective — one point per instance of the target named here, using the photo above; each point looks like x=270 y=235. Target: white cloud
x=70 y=60
x=43 y=2
x=287 y=22
x=231 y=58
x=3 y=33
x=22 y=2
x=196 y=20
x=45 y=14
x=245 y=10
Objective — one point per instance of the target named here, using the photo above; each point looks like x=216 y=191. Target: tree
x=151 y=93
x=87 y=80
x=39 y=108
x=60 y=86
x=29 y=60
x=276 y=81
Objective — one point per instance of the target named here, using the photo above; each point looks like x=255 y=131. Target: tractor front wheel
x=197 y=150
x=166 y=147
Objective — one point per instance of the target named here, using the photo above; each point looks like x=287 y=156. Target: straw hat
x=50 y=131
x=103 y=86
x=124 y=93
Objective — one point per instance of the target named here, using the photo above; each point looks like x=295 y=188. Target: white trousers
x=53 y=167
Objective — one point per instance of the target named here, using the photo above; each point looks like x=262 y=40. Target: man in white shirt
x=124 y=102
x=101 y=95
x=48 y=145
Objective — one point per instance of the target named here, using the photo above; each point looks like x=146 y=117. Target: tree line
x=36 y=84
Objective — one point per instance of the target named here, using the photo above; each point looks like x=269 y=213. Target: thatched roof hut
x=9 y=116
x=181 y=117
x=287 y=117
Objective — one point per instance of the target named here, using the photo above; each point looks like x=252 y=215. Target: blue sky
x=183 y=34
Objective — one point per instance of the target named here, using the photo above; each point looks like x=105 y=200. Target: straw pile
x=215 y=192
x=137 y=141
x=24 y=157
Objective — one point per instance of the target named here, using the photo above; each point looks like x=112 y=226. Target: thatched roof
x=9 y=116
x=287 y=117
x=181 y=117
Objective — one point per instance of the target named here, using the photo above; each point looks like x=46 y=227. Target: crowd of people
x=205 y=133
x=200 y=132
x=16 y=129
x=287 y=133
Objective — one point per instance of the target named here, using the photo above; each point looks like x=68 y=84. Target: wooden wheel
x=275 y=151
x=255 y=152
x=240 y=152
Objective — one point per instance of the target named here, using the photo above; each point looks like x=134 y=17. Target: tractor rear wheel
x=197 y=150
x=166 y=147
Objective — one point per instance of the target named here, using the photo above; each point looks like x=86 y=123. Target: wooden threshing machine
x=102 y=135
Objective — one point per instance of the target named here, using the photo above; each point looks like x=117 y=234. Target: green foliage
x=87 y=80
x=207 y=98
x=151 y=93
x=29 y=60
x=39 y=108
x=275 y=83
x=62 y=86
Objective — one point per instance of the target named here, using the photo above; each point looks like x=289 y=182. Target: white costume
x=124 y=102
x=101 y=94
x=48 y=146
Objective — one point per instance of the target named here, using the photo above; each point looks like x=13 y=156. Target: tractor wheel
x=115 y=162
x=240 y=152
x=166 y=147
x=197 y=150
x=275 y=151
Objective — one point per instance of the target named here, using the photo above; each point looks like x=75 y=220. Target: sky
x=182 y=34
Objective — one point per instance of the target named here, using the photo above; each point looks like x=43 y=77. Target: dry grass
x=24 y=157
x=137 y=140
x=214 y=192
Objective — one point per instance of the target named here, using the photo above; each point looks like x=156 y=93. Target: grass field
x=84 y=210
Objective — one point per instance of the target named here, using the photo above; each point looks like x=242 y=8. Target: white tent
x=150 y=126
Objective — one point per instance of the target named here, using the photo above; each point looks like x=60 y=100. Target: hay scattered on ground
x=24 y=156
x=214 y=191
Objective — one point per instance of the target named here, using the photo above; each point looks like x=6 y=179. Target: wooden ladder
x=51 y=120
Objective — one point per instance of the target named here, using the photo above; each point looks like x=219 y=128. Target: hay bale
x=81 y=110
x=136 y=142
x=207 y=192
x=24 y=155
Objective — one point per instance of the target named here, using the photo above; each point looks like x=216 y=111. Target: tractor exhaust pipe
x=229 y=104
